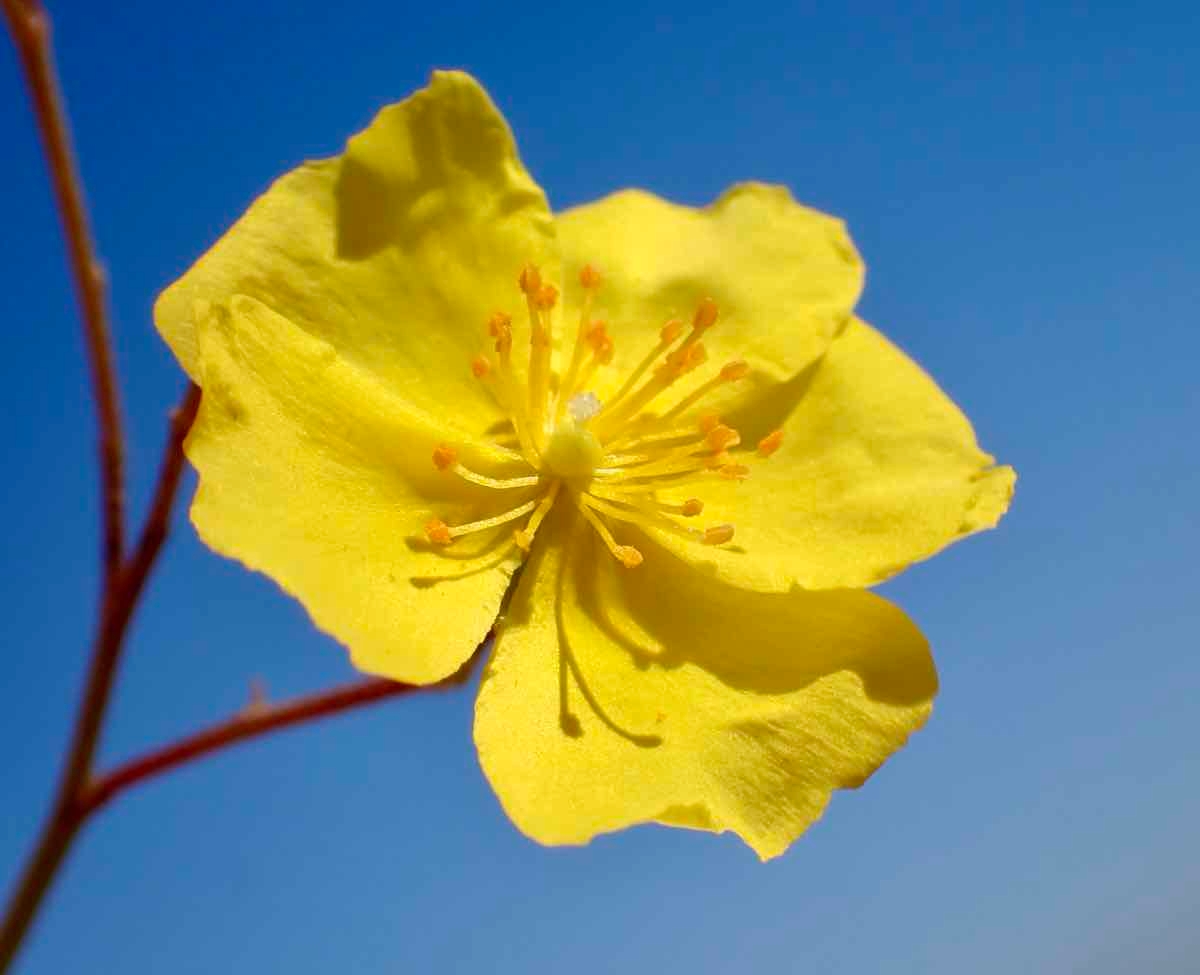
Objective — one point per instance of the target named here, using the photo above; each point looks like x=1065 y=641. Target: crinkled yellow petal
x=394 y=253
x=618 y=696
x=785 y=278
x=314 y=473
x=878 y=469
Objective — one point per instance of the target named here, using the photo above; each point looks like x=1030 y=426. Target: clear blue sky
x=1022 y=180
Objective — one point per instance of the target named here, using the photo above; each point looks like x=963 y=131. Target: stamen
x=631 y=512
x=500 y=328
x=717 y=440
x=480 y=366
x=706 y=315
x=718 y=534
x=642 y=498
x=686 y=465
x=524 y=536
x=657 y=455
x=708 y=421
x=722 y=437
x=530 y=279
x=497 y=483
x=438 y=532
x=770 y=443
x=601 y=344
x=540 y=300
x=589 y=280
x=445 y=457
x=668 y=335
x=645 y=441
x=627 y=555
x=679 y=363
x=730 y=372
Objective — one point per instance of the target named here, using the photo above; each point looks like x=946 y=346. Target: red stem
x=256 y=720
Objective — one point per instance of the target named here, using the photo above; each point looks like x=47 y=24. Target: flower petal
x=619 y=696
x=785 y=277
x=878 y=469
x=395 y=253
x=313 y=473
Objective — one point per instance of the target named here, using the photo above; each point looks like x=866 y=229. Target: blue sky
x=1021 y=180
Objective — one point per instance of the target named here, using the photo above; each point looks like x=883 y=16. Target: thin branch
x=30 y=27
x=158 y=520
x=69 y=809
x=79 y=794
x=254 y=721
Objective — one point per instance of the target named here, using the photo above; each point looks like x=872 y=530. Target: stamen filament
x=676 y=365
x=668 y=336
x=500 y=484
x=539 y=299
x=440 y=533
x=627 y=555
x=644 y=500
x=644 y=441
x=637 y=515
x=589 y=279
x=524 y=536
x=730 y=372
x=500 y=328
x=683 y=466
x=685 y=449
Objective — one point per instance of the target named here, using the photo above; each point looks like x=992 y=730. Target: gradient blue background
x=1023 y=184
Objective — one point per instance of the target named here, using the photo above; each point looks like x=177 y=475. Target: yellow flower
x=416 y=380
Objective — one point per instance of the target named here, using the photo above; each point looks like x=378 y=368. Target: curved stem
x=29 y=25
x=116 y=611
x=256 y=720
x=79 y=794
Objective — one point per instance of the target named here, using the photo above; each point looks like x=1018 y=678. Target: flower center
x=627 y=461
x=572 y=452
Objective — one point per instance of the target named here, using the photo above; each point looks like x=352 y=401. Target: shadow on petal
x=769 y=643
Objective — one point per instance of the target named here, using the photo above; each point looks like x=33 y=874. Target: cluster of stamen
x=620 y=462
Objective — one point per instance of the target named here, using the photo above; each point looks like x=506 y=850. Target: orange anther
x=500 y=328
x=589 y=277
x=530 y=279
x=498 y=324
x=683 y=360
x=718 y=534
x=604 y=352
x=733 y=371
x=708 y=421
x=600 y=342
x=628 y=556
x=697 y=355
x=692 y=507
x=734 y=472
x=480 y=366
x=770 y=443
x=706 y=315
x=444 y=456
x=718 y=460
x=671 y=331
x=547 y=296
x=438 y=532
x=722 y=437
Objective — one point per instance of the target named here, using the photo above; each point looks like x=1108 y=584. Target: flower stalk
x=81 y=792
